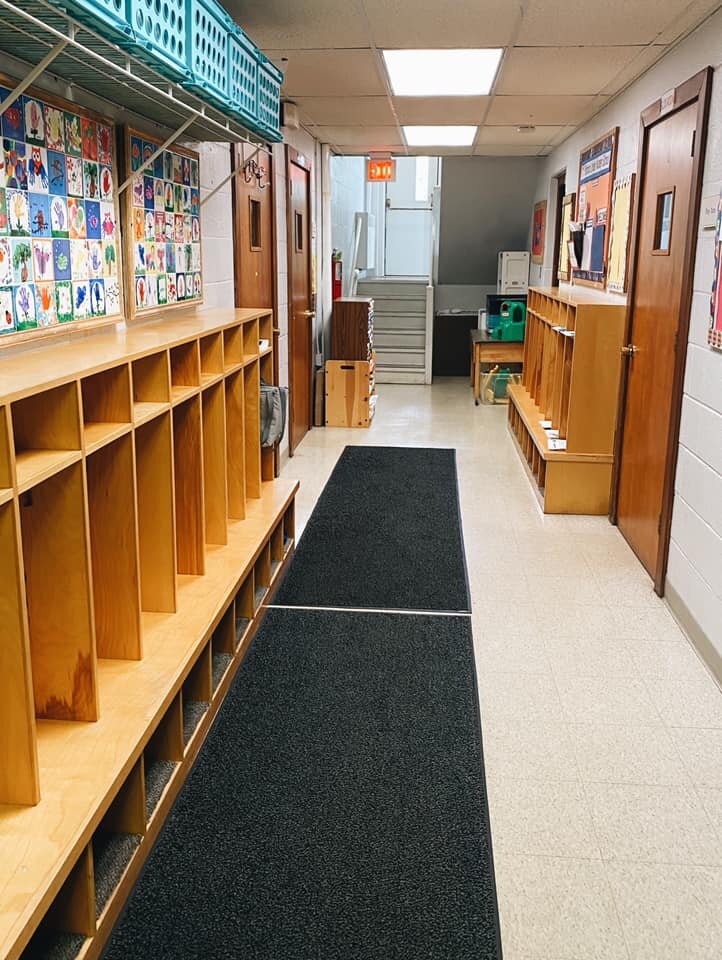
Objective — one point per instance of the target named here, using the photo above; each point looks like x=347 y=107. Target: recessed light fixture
x=526 y=128
x=442 y=136
x=442 y=73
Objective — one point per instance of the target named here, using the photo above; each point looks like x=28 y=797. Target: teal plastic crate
x=268 y=107
x=103 y=16
x=243 y=75
x=160 y=28
x=208 y=41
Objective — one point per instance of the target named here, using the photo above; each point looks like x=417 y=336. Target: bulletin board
x=714 y=337
x=59 y=259
x=620 y=234
x=162 y=226
x=597 y=167
x=538 y=231
x=563 y=270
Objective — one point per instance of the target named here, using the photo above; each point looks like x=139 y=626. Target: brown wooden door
x=253 y=228
x=667 y=175
x=300 y=315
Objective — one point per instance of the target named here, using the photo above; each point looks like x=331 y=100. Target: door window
x=663 y=223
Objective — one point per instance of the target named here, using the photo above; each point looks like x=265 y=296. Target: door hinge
x=694 y=141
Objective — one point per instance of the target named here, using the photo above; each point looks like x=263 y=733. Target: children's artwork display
x=714 y=337
x=619 y=234
x=597 y=166
x=162 y=225
x=58 y=215
x=538 y=230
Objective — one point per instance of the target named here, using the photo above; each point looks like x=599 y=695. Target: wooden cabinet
x=139 y=526
x=350 y=393
x=564 y=412
x=352 y=329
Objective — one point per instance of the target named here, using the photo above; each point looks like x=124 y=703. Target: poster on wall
x=162 y=225
x=563 y=270
x=58 y=215
x=619 y=234
x=597 y=166
x=714 y=337
x=538 y=230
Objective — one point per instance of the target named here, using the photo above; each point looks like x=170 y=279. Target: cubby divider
x=162 y=755
x=62 y=636
x=277 y=551
x=71 y=919
x=232 y=348
x=18 y=749
x=235 y=446
x=114 y=550
x=223 y=645
x=289 y=527
x=156 y=517
x=197 y=693
x=185 y=372
x=118 y=836
x=188 y=469
x=252 y=430
x=215 y=492
x=245 y=606
x=211 y=347
x=262 y=575
x=106 y=401
x=250 y=340
x=6 y=471
x=151 y=386
x=46 y=430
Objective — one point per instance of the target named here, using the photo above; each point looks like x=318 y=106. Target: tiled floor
x=602 y=729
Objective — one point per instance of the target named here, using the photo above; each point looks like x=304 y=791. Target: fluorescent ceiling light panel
x=442 y=73
x=444 y=136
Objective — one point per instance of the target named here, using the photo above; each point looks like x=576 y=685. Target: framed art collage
x=59 y=260
x=162 y=225
x=597 y=167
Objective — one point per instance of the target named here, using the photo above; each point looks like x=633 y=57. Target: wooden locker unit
x=131 y=537
x=352 y=329
x=350 y=394
x=572 y=365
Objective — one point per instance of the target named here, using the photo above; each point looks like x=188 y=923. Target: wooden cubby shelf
x=136 y=527
x=563 y=414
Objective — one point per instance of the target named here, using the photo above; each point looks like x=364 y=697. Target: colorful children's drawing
x=39 y=215
x=93 y=227
x=25 y=316
x=64 y=302
x=16 y=165
x=137 y=189
x=54 y=129
x=76 y=218
x=59 y=225
x=91 y=189
x=13 y=126
x=57 y=176
x=6 y=262
x=89 y=136
x=38 y=170
x=112 y=297
x=81 y=299
x=105 y=144
x=3 y=213
x=106 y=183
x=107 y=214
x=22 y=261
x=96 y=263
x=46 y=306
x=61 y=260
x=43 y=260
x=97 y=298
x=111 y=268
x=79 y=259
x=74 y=169
x=7 y=314
x=73 y=135
x=34 y=121
x=18 y=213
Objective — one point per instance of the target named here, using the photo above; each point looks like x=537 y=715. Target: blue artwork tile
x=57 y=178
x=158 y=167
x=97 y=298
x=39 y=215
x=148 y=193
x=16 y=164
x=92 y=220
x=61 y=259
x=13 y=126
x=136 y=153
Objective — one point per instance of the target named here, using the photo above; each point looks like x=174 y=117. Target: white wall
x=217 y=219
x=695 y=560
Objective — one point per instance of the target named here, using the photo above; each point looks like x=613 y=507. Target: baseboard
x=696 y=635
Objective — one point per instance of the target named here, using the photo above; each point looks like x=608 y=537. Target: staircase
x=400 y=329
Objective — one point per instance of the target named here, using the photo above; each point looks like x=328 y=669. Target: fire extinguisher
x=337 y=274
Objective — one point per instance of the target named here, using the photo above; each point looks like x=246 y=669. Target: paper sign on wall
x=714 y=336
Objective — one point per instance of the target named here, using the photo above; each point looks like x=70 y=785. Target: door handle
x=308 y=313
x=629 y=350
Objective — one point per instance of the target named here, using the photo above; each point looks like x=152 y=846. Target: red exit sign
x=381 y=171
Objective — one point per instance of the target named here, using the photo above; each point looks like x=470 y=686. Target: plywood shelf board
x=96 y=435
x=144 y=411
x=35 y=466
x=531 y=415
x=135 y=696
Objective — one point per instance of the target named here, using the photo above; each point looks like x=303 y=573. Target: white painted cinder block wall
x=695 y=563
x=217 y=219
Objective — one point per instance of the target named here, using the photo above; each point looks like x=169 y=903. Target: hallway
x=602 y=729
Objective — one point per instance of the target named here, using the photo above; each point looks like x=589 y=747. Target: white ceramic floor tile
x=712 y=802
x=600 y=700
x=590 y=658
x=521 y=697
x=669 y=912
x=529 y=751
x=701 y=754
x=503 y=652
x=687 y=703
x=652 y=824
x=558 y=908
x=666 y=659
x=651 y=621
x=616 y=753
x=541 y=819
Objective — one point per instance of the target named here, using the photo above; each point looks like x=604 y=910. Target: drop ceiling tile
x=563 y=70
x=314 y=24
x=323 y=73
x=538 y=137
x=429 y=110
x=506 y=150
x=559 y=23
x=363 y=150
x=346 y=111
x=359 y=136
x=439 y=151
x=641 y=63
x=688 y=20
x=540 y=110
x=431 y=24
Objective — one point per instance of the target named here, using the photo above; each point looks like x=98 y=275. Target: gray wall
x=486 y=206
